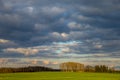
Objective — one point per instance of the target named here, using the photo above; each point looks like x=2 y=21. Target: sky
x=50 y=32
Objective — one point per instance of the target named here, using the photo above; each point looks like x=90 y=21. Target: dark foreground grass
x=60 y=76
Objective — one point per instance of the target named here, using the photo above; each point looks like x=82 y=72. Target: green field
x=60 y=76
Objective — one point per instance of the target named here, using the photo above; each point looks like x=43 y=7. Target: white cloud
x=3 y=60
x=63 y=50
x=55 y=63
x=53 y=10
x=46 y=62
x=74 y=25
x=25 y=51
x=82 y=17
x=4 y=41
x=30 y=9
x=100 y=55
x=62 y=36
x=67 y=44
x=55 y=49
x=78 y=26
x=98 y=46
x=56 y=34
x=35 y=61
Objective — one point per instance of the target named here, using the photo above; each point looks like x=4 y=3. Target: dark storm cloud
x=1 y=4
x=34 y=25
x=24 y=19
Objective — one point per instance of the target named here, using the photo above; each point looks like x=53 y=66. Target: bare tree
x=72 y=67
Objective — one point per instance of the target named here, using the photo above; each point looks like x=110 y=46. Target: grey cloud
x=1 y=4
x=94 y=23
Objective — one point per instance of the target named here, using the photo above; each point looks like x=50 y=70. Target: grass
x=60 y=76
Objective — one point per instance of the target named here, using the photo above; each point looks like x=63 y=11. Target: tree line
x=66 y=67
x=99 y=68
x=26 y=69
x=78 y=67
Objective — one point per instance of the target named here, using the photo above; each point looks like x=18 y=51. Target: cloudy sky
x=49 y=32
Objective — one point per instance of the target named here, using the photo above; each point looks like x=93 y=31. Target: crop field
x=59 y=76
